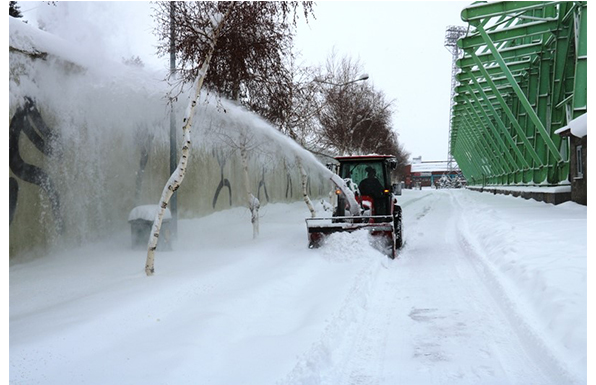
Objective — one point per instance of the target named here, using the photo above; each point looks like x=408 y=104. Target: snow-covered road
x=482 y=293
x=444 y=323
x=438 y=315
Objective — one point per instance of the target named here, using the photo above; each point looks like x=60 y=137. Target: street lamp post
x=173 y=151
x=360 y=78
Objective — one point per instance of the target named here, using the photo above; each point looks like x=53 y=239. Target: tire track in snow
x=325 y=360
x=364 y=363
x=414 y=200
x=536 y=347
x=428 y=318
x=352 y=350
x=446 y=329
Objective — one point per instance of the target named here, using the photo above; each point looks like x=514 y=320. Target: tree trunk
x=178 y=175
x=304 y=179
x=253 y=202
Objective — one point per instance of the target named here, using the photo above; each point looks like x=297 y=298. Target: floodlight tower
x=452 y=34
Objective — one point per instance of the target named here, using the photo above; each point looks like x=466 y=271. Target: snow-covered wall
x=89 y=141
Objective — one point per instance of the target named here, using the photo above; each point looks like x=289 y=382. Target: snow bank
x=537 y=253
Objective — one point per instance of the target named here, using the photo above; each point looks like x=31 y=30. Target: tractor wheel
x=399 y=242
x=397 y=224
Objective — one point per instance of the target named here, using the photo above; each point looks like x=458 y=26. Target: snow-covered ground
x=488 y=289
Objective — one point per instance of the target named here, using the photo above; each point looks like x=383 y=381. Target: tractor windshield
x=365 y=174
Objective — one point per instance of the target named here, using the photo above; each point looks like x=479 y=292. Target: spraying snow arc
x=84 y=186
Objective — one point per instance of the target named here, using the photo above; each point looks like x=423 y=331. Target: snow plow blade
x=380 y=227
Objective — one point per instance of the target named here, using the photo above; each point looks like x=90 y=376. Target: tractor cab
x=367 y=181
x=370 y=180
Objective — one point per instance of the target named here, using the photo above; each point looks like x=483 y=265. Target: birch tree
x=298 y=123
x=240 y=139
x=253 y=203
x=304 y=184
x=295 y=117
x=248 y=64
x=210 y=35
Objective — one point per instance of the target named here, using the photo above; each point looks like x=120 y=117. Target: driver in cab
x=370 y=185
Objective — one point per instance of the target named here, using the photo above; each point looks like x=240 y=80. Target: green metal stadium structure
x=522 y=76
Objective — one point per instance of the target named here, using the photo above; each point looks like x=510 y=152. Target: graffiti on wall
x=289 y=188
x=28 y=120
x=262 y=185
x=13 y=195
x=145 y=140
x=224 y=182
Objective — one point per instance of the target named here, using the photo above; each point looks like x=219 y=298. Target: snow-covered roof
x=368 y=156
x=578 y=126
x=431 y=166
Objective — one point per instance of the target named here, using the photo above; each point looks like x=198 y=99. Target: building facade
x=432 y=174
x=576 y=133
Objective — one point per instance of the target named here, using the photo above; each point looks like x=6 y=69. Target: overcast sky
x=399 y=43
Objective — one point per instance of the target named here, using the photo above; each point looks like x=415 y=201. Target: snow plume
x=112 y=122
x=92 y=28
x=236 y=121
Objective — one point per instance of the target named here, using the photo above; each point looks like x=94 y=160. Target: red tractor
x=364 y=191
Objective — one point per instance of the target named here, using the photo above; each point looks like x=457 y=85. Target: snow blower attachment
x=364 y=192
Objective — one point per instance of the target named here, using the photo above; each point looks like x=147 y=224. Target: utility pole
x=173 y=146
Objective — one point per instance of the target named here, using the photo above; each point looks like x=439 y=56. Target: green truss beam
x=520 y=94
x=479 y=12
x=523 y=31
x=523 y=76
x=529 y=50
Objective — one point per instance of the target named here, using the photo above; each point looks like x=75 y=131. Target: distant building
x=430 y=173
x=576 y=133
